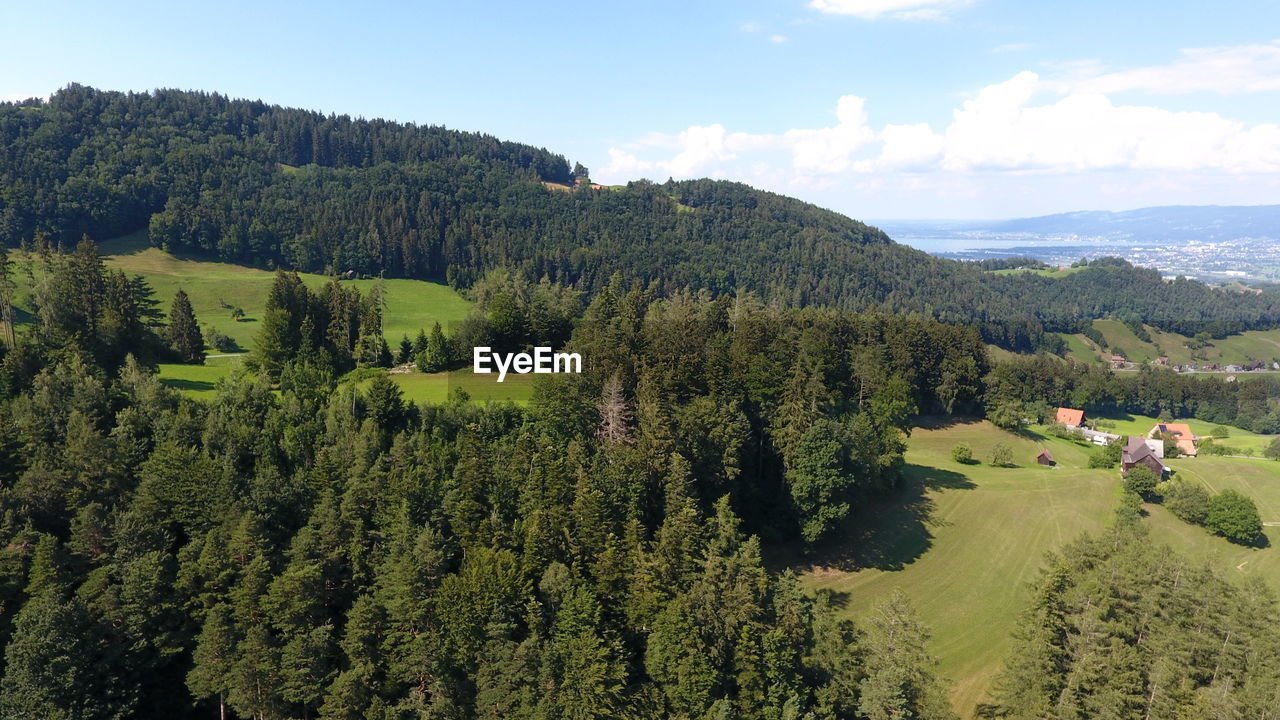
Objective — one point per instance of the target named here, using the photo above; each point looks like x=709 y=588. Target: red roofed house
x=1070 y=417
x=1181 y=432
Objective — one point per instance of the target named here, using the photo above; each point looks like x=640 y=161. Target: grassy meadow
x=216 y=288
x=434 y=388
x=1257 y=479
x=1248 y=346
x=964 y=541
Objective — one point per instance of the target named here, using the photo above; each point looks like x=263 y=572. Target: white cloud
x=1230 y=70
x=899 y=9
x=1023 y=125
x=749 y=27
x=831 y=150
x=1083 y=130
x=776 y=39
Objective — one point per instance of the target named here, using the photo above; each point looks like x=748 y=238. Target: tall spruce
x=184 y=333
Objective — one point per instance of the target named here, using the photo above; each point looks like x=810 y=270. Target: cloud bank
x=1025 y=124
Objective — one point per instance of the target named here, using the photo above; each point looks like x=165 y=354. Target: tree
x=51 y=664
x=405 y=352
x=900 y=682
x=184 y=332
x=213 y=657
x=1187 y=500
x=962 y=453
x=1001 y=455
x=1234 y=517
x=434 y=357
x=1006 y=414
x=1141 y=480
x=1273 y=449
x=819 y=481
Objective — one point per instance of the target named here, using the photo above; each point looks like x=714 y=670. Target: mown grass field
x=198 y=381
x=964 y=541
x=434 y=388
x=215 y=288
x=1257 y=479
x=1263 y=345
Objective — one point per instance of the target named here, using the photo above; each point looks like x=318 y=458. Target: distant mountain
x=259 y=184
x=1205 y=223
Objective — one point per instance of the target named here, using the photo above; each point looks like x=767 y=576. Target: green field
x=216 y=287
x=434 y=388
x=966 y=540
x=198 y=381
x=1253 y=345
x=1257 y=479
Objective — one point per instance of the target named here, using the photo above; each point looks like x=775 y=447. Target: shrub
x=1141 y=480
x=1106 y=456
x=1273 y=449
x=1209 y=447
x=1187 y=500
x=1001 y=455
x=1234 y=517
x=962 y=453
x=220 y=341
x=1220 y=431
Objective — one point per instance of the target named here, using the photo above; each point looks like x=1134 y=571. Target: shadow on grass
x=888 y=533
x=193 y=385
x=1260 y=542
x=942 y=422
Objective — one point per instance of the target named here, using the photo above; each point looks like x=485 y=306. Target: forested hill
x=248 y=182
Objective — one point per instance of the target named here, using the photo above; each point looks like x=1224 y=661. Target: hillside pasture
x=963 y=542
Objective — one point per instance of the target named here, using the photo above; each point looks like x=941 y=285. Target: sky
x=879 y=109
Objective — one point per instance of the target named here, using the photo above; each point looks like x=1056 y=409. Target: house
x=1045 y=458
x=1070 y=417
x=1162 y=360
x=1118 y=361
x=1181 y=432
x=1137 y=452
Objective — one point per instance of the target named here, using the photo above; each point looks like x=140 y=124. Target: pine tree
x=213 y=657
x=184 y=332
x=900 y=681
x=405 y=353
x=434 y=357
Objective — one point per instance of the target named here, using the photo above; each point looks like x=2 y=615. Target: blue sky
x=876 y=108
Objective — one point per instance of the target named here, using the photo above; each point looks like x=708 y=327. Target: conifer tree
x=184 y=332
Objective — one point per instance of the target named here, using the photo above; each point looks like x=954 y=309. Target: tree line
x=1022 y=387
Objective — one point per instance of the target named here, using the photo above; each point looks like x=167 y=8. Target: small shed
x=1045 y=458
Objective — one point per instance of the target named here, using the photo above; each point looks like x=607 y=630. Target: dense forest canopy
x=330 y=550
x=254 y=183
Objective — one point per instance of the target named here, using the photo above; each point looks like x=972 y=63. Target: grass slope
x=214 y=286
x=964 y=541
x=1257 y=479
x=410 y=304
x=1248 y=346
